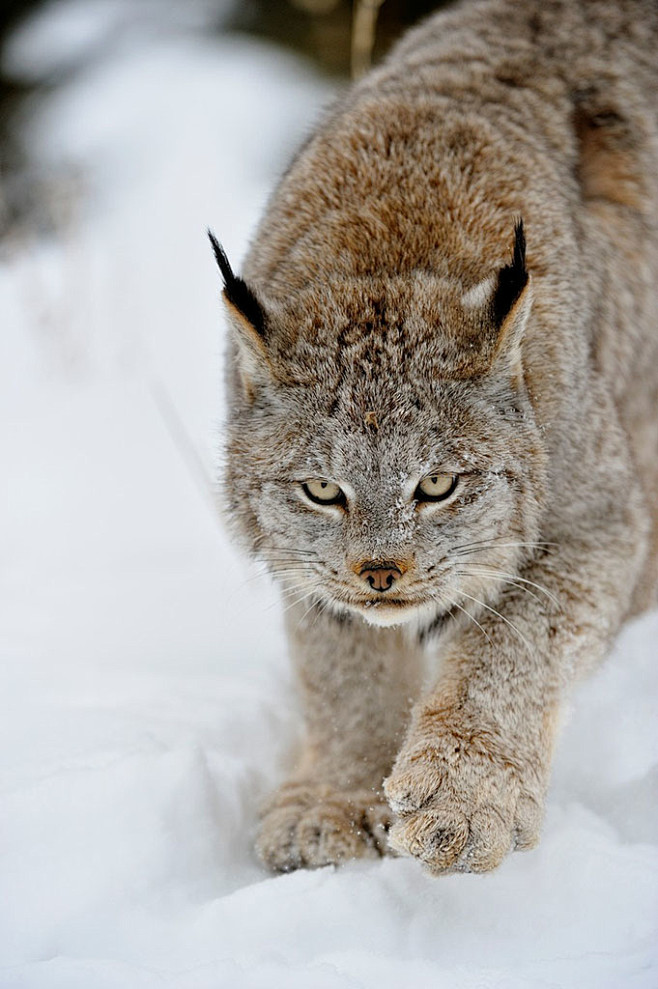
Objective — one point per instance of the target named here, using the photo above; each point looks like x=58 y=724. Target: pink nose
x=381 y=576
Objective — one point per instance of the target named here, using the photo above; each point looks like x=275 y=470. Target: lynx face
x=404 y=520
x=368 y=479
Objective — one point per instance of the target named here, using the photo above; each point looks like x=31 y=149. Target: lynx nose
x=380 y=575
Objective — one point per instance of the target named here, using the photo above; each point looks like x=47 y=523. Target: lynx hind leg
x=308 y=825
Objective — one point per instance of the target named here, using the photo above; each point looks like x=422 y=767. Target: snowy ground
x=147 y=706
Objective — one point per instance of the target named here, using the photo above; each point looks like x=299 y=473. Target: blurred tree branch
x=339 y=35
x=364 y=25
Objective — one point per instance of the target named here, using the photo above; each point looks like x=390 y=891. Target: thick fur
x=391 y=344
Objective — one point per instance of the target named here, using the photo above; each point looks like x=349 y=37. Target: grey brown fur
x=383 y=357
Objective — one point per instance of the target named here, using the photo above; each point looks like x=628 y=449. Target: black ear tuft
x=512 y=279
x=236 y=290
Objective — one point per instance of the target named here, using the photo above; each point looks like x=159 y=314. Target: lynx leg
x=468 y=785
x=357 y=684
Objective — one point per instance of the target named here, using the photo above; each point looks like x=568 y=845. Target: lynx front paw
x=461 y=807
x=310 y=825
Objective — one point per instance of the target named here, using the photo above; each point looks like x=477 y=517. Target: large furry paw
x=463 y=803
x=310 y=825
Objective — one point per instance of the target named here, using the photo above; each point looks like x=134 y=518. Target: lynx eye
x=323 y=492
x=436 y=487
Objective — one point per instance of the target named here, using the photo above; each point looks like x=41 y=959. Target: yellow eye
x=436 y=487
x=323 y=492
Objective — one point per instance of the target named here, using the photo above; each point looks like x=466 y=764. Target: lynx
x=443 y=420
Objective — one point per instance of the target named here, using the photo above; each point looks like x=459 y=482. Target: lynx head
x=383 y=457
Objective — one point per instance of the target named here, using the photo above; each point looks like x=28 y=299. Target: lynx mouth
x=395 y=611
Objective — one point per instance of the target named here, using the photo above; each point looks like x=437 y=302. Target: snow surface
x=147 y=705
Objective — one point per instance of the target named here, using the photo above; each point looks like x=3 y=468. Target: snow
x=147 y=706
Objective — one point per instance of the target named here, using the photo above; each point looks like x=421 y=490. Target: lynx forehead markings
x=388 y=287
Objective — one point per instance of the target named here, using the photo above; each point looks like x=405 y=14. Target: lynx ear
x=248 y=320
x=510 y=308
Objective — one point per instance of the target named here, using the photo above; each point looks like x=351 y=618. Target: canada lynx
x=441 y=444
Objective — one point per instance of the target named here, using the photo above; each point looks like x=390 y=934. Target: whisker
x=502 y=580
x=276 y=572
x=456 y=604
x=298 y=553
x=285 y=567
x=289 y=562
x=506 y=620
x=280 y=566
x=281 y=599
x=265 y=574
x=303 y=597
x=288 y=592
x=293 y=579
x=286 y=549
x=496 y=544
x=324 y=606
x=310 y=608
x=487 y=571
